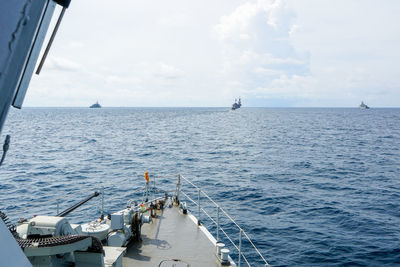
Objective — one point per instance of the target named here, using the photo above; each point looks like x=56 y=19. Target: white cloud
x=268 y=72
x=62 y=64
x=75 y=44
x=118 y=79
x=236 y=22
x=266 y=52
x=163 y=70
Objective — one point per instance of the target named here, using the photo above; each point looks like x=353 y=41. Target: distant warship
x=237 y=104
x=363 y=106
x=97 y=105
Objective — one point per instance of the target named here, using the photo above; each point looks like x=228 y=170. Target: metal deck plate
x=172 y=235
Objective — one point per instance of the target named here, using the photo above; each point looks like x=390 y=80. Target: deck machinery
x=157 y=232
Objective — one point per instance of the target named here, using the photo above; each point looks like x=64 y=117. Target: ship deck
x=172 y=235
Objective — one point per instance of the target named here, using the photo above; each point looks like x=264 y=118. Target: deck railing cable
x=242 y=233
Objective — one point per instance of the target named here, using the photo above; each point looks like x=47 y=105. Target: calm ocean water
x=310 y=186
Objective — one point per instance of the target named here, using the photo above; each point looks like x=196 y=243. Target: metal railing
x=216 y=221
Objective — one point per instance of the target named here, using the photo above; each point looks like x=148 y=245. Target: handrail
x=219 y=228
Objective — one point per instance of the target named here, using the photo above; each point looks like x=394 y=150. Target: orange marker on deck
x=146 y=175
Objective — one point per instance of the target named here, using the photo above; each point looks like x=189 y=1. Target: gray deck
x=172 y=235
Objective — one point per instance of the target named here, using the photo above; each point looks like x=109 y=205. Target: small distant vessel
x=363 y=105
x=97 y=105
x=237 y=104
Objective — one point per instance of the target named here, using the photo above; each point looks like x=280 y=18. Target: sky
x=179 y=53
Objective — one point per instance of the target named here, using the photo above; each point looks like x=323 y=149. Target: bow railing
x=216 y=220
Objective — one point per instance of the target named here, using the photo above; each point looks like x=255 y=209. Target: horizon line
x=206 y=107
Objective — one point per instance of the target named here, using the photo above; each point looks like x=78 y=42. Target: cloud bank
x=180 y=53
x=259 y=56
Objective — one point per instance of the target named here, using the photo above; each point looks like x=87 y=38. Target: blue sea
x=310 y=186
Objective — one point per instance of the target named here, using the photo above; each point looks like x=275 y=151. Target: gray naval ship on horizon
x=166 y=227
x=237 y=104
x=363 y=105
x=95 y=105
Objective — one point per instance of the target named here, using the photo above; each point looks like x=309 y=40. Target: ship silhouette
x=363 y=105
x=96 y=105
x=237 y=104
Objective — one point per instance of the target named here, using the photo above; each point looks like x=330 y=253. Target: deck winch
x=96 y=229
x=126 y=224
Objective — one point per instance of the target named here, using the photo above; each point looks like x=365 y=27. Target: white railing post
x=102 y=201
x=147 y=192
x=240 y=247
x=58 y=207
x=198 y=204
x=217 y=223
x=178 y=187
x=154 y=187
